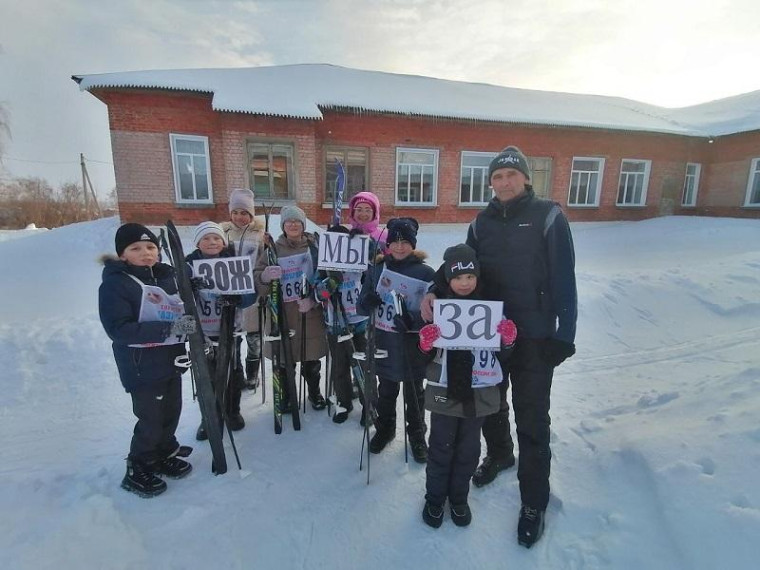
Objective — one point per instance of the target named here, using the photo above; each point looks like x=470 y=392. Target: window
x=355 y=162
x=474 y=186
x=753 y=184
x=540 y=175
x=416 y=176
x=634 y=179
x=585 y=181
x=270 y=170
x=691 y=184
x=192 y=169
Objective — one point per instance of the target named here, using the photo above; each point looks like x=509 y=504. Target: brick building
x=182 y=139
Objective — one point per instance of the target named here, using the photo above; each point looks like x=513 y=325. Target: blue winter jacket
x=119 y=305
x=404 y=361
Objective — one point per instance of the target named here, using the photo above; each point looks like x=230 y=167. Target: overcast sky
x=670 y=53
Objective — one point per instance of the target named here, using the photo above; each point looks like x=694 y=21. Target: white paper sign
x=467 y=324
x=226 y=275
x=412 y=290
x=340 y=252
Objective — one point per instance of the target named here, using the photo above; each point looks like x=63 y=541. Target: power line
x=55 y=161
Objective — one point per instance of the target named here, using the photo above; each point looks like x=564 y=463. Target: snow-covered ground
x=656 y=437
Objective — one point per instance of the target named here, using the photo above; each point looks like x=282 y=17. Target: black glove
x=556 y=351
x=355 y=232
x=198 y=283
x=403 y=323
x=372 y=300
x=230 y=300
x=338 y=229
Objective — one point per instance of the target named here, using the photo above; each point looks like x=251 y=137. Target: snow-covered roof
x=300 y=91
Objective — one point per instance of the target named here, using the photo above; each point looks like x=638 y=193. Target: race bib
x=294 y=267
x=411 y=289
x=158 y=305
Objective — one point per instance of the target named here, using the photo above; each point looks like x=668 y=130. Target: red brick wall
x=141 y=121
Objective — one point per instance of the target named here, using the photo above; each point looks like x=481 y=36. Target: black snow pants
x=414 y=396
x=531 y=380
x=454 y=448
x=157 y=408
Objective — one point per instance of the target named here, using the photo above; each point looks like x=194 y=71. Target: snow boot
x=141 y=480
x=432 y=514
x=419 y=447
x=182 y=451
x=200 y=434
x=382 y=437
x=174 y=468
x=530 y=527
x=461 y=514
x=490 y=468
x=235 y=421
x=317 y=401
x=341 y=413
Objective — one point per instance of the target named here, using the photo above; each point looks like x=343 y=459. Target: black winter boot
x=490 y=468
x=383 y=436
x=174 y=468
x=141 y=480
x=235 y=421
x=341 y=413
x=432 y=514
x=530 y=527
x=200 y=434
x=461 y=514
x=419 y=447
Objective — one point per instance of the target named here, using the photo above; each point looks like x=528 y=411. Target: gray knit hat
x=242 y=199
x=292 y=213
x=205 y=228
x=510 y=157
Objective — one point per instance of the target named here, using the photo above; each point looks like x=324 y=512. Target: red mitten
x=428 y=335
x=508 y=331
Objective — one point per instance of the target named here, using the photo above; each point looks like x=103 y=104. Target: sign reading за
x=226 y=275
x=467 y=324
x=341 y=252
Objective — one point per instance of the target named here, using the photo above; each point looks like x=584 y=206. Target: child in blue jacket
x=143 y=316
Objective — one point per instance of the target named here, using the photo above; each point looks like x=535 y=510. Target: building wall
x=141 y=120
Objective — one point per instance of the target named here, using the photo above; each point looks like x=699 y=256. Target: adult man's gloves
x=326 y=288
x=508 y=332
x=556 y=351
x=270 y=273
x=428 y=335
x=183 y=325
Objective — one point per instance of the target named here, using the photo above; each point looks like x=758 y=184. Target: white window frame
x=486 y=182
x=644 y=185
x=434 y=198
x=598 y=190
x=691 y=185
x=173 y=138
x=754 y=173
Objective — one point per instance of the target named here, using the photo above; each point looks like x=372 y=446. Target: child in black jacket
x=143 y=316
x=462 y=389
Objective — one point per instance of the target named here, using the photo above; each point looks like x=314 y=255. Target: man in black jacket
x=527 y=260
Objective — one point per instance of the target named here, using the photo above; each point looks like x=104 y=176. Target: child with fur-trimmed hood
x=403 y=271
x=462 y=388
x=143 y=315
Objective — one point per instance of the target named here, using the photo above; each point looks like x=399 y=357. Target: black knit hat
x=130 y=233
x=459 y=259
x=510 y=157
x=402 y=229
